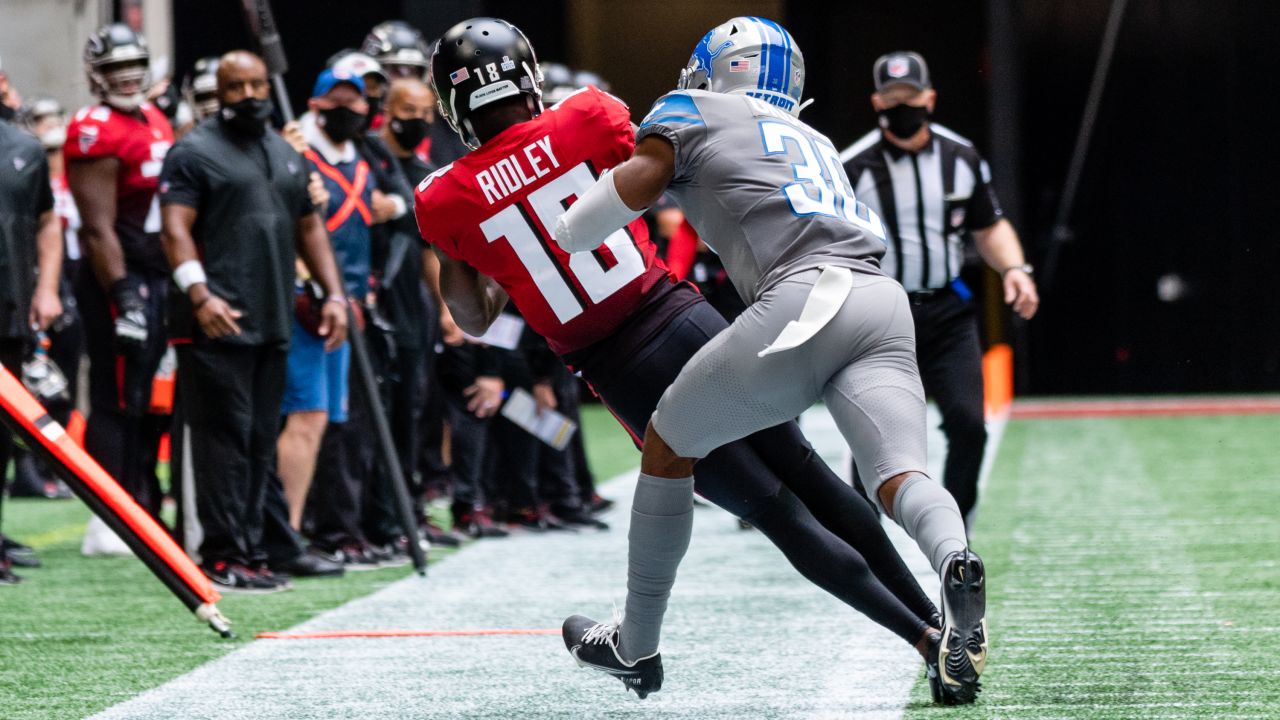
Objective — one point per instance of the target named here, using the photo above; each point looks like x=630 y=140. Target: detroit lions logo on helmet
x=750 y=56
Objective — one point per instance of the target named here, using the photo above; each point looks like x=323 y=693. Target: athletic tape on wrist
x=189 y=273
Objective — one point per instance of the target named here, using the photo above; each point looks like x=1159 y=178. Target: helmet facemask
x=122 y=85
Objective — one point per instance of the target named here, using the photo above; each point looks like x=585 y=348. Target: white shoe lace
x=604 y=632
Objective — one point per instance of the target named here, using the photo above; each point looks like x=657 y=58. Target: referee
x=234 y=205
x=933 y=191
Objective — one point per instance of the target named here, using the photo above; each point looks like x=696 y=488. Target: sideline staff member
x=30 y=266
x=235 y=196
x=932 y=189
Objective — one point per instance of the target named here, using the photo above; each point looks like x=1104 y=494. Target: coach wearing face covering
x=235 y=212
x=933 y=191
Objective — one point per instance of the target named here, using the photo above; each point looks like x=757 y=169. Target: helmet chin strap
x=469 y=137
x=803 y=105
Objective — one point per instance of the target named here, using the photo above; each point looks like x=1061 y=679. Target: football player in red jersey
x=114 y=152
x=616 y=316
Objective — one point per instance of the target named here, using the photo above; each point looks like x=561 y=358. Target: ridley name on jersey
x=508 y=174
x=495 y=210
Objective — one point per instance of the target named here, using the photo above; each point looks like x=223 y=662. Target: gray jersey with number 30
x=764 y=190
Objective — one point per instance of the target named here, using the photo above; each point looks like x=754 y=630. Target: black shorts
x=633 y=367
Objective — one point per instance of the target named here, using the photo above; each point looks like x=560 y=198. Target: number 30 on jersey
x=548 y=203
x=821 y=186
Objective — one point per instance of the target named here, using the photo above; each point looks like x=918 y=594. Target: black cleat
x=18 y=553
x=7 y=576
x=962 y=654
x=310 y=564
x=438 y=536
x=595 y=645
x=237 y=578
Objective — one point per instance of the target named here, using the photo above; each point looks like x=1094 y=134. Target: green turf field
x=1134 y=571
x=82 y=634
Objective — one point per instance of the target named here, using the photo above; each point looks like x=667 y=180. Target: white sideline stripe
x=738 y=641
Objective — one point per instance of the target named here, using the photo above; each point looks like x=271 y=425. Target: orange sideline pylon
x=997 y=379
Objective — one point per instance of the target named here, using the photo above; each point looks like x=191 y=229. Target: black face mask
x=7 y=113
x=342 y=123
x=904 y=120
x=409 y=132
x=247 y=117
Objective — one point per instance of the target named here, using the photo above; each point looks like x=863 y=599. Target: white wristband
x=595 y=216
x=189 y=273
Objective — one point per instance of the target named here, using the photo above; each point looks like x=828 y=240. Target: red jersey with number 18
x=496 y=210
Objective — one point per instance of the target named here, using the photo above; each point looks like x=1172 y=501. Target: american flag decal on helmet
x=739 y=66
x=459 y=75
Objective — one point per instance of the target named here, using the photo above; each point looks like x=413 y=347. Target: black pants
x=469 y=451
x=351 y=501
x=950 y=359
x=230 y=403
x=432 y=470
x=405 y=392
x=558 y=471
x=772 y=479
x=12 y=351
x=120 y=432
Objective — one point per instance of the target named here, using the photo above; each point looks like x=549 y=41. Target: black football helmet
x=200 y=88
x=118 y=63
x=478 y=62
x=399 y=47
x=583 y=78
x=557 y=82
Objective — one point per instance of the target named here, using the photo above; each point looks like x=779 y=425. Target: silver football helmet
x=748 y=56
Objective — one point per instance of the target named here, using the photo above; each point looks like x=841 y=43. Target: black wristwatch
x=1027 y=268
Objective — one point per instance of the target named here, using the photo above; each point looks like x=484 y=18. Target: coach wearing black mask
x=933 y=191
x=235 y=212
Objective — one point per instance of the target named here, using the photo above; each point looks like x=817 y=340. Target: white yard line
x=746 y=637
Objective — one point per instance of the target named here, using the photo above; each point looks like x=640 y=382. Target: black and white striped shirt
x=929 y=201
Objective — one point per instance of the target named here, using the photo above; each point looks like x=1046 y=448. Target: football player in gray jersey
x=769 y=194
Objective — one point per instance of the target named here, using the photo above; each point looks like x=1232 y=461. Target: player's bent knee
x=889 y=489
x=659 y=460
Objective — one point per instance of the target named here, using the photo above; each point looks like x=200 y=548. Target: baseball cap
x=901 y=68
x=331 y=77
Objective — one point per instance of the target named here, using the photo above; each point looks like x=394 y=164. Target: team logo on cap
x=459 y=75
x=899 y=67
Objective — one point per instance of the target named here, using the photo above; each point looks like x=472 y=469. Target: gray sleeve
x=677 y=118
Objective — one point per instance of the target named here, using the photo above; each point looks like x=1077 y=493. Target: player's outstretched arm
x=619 y=196
x=473 y=299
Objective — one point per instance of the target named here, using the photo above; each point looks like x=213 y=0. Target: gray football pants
x=862 y=364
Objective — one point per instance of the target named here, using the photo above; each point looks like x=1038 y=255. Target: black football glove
x=131 y=315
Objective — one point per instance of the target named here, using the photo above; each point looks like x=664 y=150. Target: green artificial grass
x=82 y=634
x=1133 y=571
x=1132 y=565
